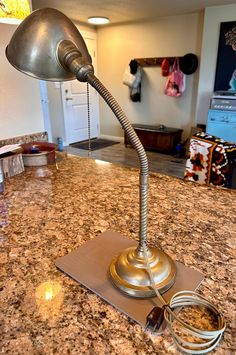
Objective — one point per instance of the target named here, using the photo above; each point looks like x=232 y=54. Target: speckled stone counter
x=40 y=136
x=47 y=212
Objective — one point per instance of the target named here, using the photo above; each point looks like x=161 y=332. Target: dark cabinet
x=158 y=138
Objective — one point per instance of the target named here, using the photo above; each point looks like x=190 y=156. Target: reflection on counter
x=101 y=162
x=49 y=299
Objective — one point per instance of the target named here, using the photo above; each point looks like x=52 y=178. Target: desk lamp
x=48 y=46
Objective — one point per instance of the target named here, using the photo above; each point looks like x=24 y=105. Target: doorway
x=74 y=101
x=45 y=108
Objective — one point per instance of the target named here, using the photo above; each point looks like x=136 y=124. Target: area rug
x=96 y=143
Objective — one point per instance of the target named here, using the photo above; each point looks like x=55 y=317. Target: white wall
x=20 y=105
x=213 y=17
x=169 y=36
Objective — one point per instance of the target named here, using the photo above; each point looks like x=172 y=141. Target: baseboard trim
x=112 y=138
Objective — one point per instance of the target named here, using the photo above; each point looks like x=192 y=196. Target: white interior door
x=74 y=98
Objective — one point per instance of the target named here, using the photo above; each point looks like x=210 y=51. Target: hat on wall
x=133 y=66
x=165 y=67
x=188 y=63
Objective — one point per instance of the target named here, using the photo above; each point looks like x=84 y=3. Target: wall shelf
x=154 y=61
x=188 y=63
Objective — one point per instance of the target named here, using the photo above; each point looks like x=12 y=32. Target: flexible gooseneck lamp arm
x=48 y=46
x=133 y=138
x=70 y=58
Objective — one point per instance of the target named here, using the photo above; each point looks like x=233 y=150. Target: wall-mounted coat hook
x=154 y=61
x=188 y=63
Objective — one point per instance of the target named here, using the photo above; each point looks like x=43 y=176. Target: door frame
x=93 y=36
x=45 y=109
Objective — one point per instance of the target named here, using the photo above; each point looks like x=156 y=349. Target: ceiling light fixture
x=98 y=20
x=14 y=11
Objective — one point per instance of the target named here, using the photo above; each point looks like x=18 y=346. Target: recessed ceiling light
x=98 y=20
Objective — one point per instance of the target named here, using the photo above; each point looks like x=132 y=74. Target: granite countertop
x=47 y=212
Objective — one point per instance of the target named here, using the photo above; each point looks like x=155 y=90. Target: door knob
x=69 y=98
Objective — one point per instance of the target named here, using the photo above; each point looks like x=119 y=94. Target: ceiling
x=123 y=11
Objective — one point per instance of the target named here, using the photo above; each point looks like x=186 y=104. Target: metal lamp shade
x=33 y=48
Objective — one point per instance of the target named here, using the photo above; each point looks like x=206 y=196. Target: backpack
x=175 y=82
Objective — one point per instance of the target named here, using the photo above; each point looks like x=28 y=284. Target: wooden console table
x=159 y=138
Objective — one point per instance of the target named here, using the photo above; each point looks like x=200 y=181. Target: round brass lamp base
x=129 y=272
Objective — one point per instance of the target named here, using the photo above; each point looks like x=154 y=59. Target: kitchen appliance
x=221 y=121
x=224 y=104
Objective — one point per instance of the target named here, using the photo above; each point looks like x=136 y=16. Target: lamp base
x=88 y=265
x=129 y=272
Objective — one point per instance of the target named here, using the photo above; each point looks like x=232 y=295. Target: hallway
x=126 y=156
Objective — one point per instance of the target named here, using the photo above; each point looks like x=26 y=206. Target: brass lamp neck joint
x=66 y=52
x=71 y=59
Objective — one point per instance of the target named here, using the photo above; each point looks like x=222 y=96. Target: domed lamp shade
x=48 y=46
x=36 y=44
